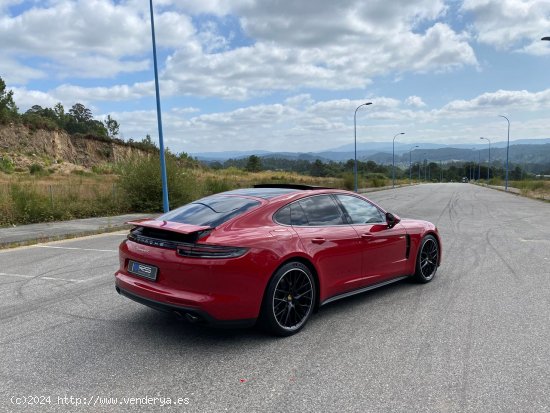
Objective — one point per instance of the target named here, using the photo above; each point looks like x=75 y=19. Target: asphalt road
x=476 y=339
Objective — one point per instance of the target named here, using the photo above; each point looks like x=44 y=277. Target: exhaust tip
x=191 y=318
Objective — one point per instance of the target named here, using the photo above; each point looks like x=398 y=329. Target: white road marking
x=533 y=240
x=42 y=278
x=73 y=248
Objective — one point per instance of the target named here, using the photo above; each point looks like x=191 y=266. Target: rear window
x=211 y=211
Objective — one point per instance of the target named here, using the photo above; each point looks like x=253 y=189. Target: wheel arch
x=310 y=266
x=438 y=240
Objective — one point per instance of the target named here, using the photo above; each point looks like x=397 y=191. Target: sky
x=287 y=75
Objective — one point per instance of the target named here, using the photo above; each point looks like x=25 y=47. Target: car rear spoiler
x=169 y=226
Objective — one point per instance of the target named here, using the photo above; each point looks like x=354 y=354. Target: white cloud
x=415 y=101
x=500 y=100
x=24 y=98
x=326 y=47
x=89 y=38
x=290 y=126
x=14 y=72
x=112 y=94
x=511 y=24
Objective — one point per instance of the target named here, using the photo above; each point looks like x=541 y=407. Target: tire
x=289 y=300
x=427 y=260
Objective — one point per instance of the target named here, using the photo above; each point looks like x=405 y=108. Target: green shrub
x=37 y=169
x=30 y=206
x=103 y=169
x=140 y=180
x=25 y=203
x=80 y=172
x=529 y=185
x=37 y=122
x=6 y=165
x=215 y=185
x=376 y=180
x=348 y=181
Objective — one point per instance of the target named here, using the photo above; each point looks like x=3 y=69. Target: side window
x=283 y=216
x=297 y=214
x=359 y=210
x=321 y=210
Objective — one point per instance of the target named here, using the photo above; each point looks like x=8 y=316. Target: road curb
x=60 y=237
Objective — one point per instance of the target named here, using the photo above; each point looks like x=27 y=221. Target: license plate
x=143 y=270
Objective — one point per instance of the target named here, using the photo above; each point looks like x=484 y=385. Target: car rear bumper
x=191 y=314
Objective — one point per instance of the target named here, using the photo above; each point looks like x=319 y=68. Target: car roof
x=272 y=191
x=264 y=193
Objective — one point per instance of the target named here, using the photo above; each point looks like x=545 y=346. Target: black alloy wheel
x=427 y=260
x=289 y=299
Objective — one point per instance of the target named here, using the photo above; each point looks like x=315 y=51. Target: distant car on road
x=464 y=180
x=272 y=253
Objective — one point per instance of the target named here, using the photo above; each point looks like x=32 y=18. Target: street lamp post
x=440 y=172
x=489 y=164
x=478 y=165
x=165 y=204
x=425 y=166
x=471 y=167
x=355 y=141
x=507 y=150
x=393 y=159
x=410 y=164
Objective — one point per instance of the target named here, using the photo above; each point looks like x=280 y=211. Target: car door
x=384 y=249
x=333 y=244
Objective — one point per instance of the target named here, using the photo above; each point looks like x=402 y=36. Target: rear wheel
x=427 y=260
x=289 y=299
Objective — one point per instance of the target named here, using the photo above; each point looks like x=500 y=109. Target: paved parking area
x=475 y=339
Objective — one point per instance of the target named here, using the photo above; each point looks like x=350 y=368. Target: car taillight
x=210 y=251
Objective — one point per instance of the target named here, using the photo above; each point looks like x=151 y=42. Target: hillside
x=59 y=151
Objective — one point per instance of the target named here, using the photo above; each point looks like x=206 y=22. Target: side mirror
x=392 y=220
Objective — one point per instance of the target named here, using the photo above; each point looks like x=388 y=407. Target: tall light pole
x=489 y=165
x=507 y=150
x=393 y=159
x=165 y=204
x=355 y=140
x=410 y=164
x=479 y=164
x=441 y=172
x=425 y=166
x=471 y=169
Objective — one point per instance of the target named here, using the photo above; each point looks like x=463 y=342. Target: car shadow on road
x=173 y=330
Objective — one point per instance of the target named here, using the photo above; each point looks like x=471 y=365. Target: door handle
x=367 y=236
x=318 y=240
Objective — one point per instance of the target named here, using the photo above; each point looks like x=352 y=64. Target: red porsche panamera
x=271 y=254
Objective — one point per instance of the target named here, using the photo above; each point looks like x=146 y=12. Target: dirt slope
x=24 y=147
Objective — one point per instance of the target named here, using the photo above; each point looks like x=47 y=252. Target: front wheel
x=427 y=260
x=289 y=299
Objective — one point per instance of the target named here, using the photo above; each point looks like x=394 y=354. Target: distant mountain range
x=521 y=151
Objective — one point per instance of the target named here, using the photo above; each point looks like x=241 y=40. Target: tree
x=318 y=168
x=254 y=164
x=35 y=109
x=60 y=115
x=8 y=110
x=112 y=126
x=80 y=113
